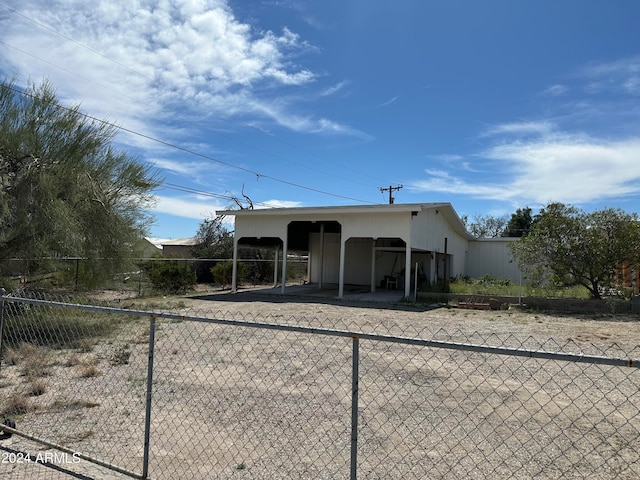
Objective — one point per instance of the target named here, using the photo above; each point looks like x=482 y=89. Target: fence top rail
x=509 y=351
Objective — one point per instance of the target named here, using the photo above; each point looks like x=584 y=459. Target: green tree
x=570 y=247
x=65 y=191
x=519 y=224
x=485 y=226
x=214 y=240
x=170 y=275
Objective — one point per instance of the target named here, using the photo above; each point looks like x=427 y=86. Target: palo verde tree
x=65 y=190
x=568 y=246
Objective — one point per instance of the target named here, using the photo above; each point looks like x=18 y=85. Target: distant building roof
x=186 y=242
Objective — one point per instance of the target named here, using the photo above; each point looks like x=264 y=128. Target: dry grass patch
x=78 y=437
x=17 y=404
x=88 y=371
x=36 y=387
x=67 y=404
x=120 y=355
x=34 y=361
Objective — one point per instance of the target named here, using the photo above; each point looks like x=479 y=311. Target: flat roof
x=378 y=208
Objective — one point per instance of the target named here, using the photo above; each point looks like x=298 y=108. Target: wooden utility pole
x=390 y=189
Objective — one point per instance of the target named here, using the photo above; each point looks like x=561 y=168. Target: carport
x=373 y=245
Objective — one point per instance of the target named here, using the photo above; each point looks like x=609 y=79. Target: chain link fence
x=104 y=392
x=146 y=276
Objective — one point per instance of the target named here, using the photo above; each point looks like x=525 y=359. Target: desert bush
x=36 y=388
x=223 y=271
x=120 y=355
x=171 y=276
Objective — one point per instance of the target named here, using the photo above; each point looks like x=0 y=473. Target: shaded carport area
x=252 y=249
x=390 y=265
x=373 y=246
x=354 y=263
x=321 y=240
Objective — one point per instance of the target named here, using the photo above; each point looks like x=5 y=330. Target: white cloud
x=201 y=207
x=622 y=75
x=520 y=128
x=278 y=204
x=555 y=91
x=538 y=161
x=556 y=168
x=570 y=171
x=185 y=207
x=334 y=89
x=137 y=61
x=387 y=103
x=441 y=181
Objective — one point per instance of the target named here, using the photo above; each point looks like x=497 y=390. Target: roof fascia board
x=386 y=208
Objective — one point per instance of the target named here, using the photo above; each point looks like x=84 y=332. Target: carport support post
x=234 y=271
x=373 y=266
x=285 y=248
x=321 y=266
x=407 y=270
x=343 y=241
x=275 y=267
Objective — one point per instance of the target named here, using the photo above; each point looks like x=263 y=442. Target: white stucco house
x=375 y=245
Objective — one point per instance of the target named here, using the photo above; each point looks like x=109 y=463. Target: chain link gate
x=158 y=395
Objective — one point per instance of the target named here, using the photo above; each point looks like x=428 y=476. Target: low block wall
x=565 y=305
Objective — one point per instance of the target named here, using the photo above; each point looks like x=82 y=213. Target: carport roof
x=445 y=208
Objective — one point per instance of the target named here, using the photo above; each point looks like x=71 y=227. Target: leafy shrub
x=223 y=272
x=171 y=276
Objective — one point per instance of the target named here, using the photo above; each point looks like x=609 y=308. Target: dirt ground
x=242 y=402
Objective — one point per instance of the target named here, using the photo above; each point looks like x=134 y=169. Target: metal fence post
x=147 y=417
x=354 y=407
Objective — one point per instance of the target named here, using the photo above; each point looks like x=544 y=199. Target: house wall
x=182 y=251
x=376 y=225
x=492 y=256
x=426 y=230
x=429 y=230
x=267 y=226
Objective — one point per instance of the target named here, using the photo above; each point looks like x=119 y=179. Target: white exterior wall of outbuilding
x=438 y=228
x=356 y=243
x=493 y=256
x=273 y=226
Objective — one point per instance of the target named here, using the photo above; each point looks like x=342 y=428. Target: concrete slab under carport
x=352 y=293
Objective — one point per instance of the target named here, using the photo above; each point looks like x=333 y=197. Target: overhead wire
x=233 y=198
x=201 y=155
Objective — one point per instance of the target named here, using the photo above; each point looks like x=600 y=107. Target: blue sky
x=490 y=105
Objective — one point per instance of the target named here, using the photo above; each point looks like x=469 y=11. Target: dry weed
x=36 y=388
x=17 y=404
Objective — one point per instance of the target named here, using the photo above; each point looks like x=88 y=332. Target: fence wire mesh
x=236 y=395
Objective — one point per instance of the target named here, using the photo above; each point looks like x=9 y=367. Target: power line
x=201 y=155
x=182 y=188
